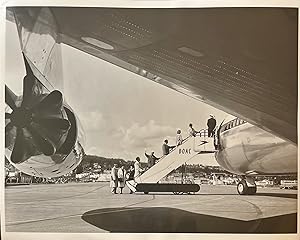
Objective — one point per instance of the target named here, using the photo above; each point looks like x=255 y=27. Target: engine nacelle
x=65 y=159
x=43 y=137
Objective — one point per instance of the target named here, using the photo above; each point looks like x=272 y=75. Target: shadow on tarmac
x=282 y=195
x=172 y=220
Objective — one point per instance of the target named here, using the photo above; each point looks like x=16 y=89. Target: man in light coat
x=114 y=179
x=121 y=178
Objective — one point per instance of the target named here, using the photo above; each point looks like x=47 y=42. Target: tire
x=243 y=188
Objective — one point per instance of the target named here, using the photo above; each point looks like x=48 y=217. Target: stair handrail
x=202 y=132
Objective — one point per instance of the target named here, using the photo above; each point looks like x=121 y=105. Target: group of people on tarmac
x=120 y=176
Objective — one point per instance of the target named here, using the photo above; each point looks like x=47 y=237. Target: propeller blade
x=44 y=145
x=53 y=123
x=10 y=98
x=53 y=101
x=28 y=89
x=19 y=152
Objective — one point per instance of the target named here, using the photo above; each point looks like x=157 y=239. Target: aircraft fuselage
x=245 y=149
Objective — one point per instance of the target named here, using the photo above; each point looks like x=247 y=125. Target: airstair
x=189 y=149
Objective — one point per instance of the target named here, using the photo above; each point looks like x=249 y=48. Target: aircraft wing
x=40 y=44
x=240 y=60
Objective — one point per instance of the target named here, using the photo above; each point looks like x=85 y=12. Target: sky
x=123 y=114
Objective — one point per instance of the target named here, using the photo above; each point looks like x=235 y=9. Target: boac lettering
x=185 y=150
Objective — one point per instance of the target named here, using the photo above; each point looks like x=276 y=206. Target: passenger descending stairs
x=191 y=147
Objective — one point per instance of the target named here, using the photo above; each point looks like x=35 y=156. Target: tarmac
x=92 y=208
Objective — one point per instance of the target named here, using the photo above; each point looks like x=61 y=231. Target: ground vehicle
x=289 y=184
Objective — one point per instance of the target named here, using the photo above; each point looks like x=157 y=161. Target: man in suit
x=211 y=124
x=166 y=148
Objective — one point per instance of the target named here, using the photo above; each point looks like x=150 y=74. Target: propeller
x=37 y=125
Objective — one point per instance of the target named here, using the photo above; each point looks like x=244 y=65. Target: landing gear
x=247 y=186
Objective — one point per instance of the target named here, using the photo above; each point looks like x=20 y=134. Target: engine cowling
x=43 y=136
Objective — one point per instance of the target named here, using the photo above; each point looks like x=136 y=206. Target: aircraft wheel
x=242 y=187
x=146 y=192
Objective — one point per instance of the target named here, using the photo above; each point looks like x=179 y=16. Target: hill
x=92 y=161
